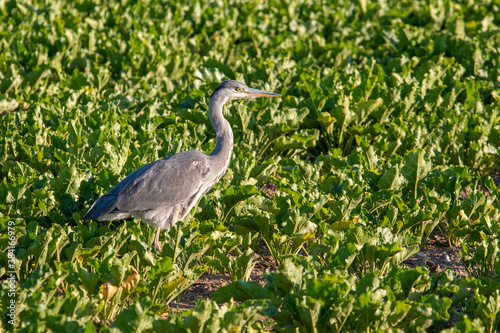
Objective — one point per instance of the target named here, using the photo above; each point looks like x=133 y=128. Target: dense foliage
x=388 y=131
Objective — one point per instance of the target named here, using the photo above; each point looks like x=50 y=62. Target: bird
x=163 y=192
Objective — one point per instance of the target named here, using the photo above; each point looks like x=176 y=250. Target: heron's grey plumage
x=163 y=192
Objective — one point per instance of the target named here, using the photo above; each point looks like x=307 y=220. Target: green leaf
x=415 y=168
x=300 y=140
x=136 y=318
x=391 y=179
x=289 y=276
x=242 y=291
x=234 y=195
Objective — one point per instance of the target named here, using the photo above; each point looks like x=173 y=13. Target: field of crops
x=386 y=138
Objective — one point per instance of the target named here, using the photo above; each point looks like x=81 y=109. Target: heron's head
x=237 y=90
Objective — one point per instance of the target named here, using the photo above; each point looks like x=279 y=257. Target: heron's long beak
x=260 y=93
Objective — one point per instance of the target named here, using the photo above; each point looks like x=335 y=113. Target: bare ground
x=207 y=284
x=437 y=256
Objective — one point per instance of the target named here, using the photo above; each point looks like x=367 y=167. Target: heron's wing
x=167 y=182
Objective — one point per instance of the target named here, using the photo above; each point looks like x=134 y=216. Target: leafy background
x=387 y=134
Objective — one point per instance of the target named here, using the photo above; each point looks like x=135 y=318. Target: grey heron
x=163 y=192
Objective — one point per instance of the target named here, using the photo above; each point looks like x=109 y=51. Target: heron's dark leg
x=157 y=238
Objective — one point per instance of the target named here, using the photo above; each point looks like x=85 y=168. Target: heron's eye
x=239 y=89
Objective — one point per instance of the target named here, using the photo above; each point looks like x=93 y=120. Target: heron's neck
x=224 y=141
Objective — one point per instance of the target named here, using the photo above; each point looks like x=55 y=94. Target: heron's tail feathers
x=101 y=209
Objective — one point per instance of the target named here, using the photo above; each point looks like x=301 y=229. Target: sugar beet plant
x=387 y=134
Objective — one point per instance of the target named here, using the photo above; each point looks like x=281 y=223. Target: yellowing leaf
x=108 y=290
x=344 y=224
x=299 y=240
x=131 y=280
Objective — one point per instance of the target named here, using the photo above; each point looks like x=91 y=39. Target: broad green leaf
x=415 y=168
x=134 y=319
x=242 y=291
